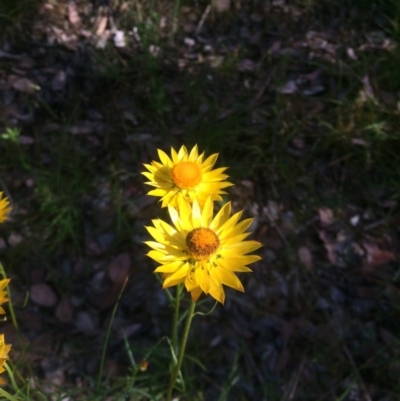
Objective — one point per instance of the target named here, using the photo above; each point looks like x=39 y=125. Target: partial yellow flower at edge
x=4 y=350
x=185 y=175
x=3 y=294
x=202 y=251
x=4 y=207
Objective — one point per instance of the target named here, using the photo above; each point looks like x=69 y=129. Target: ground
x=301 y=99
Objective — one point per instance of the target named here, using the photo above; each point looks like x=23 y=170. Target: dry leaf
x=288 y=89
x=376 y=257
x=329 y=245
x=23 y=84
x=325 y=216
x=73 y=14
x=102 y=25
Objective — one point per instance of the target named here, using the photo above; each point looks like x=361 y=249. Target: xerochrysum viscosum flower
x=185 y=175
x=200 y=251
x=3 y=294
x=4 y=350
x=4 y=207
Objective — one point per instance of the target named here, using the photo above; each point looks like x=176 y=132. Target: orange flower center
x=201 y=243
x=186 y=175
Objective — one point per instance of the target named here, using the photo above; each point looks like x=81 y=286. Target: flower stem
x=7 y=395
x=185 y=335
x=176 y=317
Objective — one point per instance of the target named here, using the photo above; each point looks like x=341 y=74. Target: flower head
x=4 y=207
x=185 y=175
x=4 y=350
x=3 y=294
x=201 y=251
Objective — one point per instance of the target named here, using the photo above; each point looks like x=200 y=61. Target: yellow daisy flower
x=185 y=175
x=4 y=350
x=4 y=207
x=201 y=251
x=3 y=294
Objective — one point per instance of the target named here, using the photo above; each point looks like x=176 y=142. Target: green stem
x=181 y=350
x=103 y=353
x=11 y=376
x=7 y=395
x=176 y=317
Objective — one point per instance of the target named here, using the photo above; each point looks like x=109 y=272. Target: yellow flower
x=201 y=251
x=4 y=208
x=185 y=175
x=4 y=350
x=3 y=294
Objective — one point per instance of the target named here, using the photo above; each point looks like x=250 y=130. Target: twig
x=203 y=19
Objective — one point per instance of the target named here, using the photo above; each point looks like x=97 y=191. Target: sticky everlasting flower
x=4 y=350
x=201 y=251
x=3 y=294
x=4 y=207
x=185 y=175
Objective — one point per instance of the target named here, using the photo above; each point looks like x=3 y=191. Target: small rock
x=65 y=311
x=222 y=6
x=42 y=295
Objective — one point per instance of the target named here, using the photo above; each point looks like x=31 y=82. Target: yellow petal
x=170 y=267
x=217 y=291
x=156 y=234
x=227 y=277
x=202 y=278
x=195 y=294
x=237 y=229
x=3 y=283
x=179 y=274
x=229 y=224
x=174 y=155
x=196 y=215
x=207 y=213
x=233 y=240
x=216 y=174
x=200 y=159
x=240 y=249
x=182 y=153
x=166 y=161
x=157 y=192
x=221 y=217
x=238 y=264
x=194 y=154
x=208 y=164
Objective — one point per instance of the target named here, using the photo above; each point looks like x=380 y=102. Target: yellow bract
x=3 y=294
x=185 y=175
x=4 y=207
x=202 y=251
x=4 y=350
